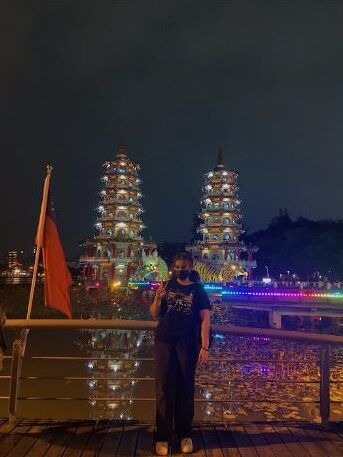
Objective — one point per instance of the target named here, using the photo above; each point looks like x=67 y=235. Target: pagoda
x=115 y=252
x=217 y=254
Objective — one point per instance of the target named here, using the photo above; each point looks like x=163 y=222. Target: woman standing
x=181 y=339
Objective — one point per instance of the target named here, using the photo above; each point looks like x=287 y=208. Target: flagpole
x=39 y=238
x=39 y=241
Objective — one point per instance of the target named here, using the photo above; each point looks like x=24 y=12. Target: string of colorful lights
x=242 y=291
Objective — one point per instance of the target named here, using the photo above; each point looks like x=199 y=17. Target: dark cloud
x=176 y=79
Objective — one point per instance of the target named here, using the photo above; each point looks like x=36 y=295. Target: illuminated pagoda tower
x=115 y=252
x=217 y=253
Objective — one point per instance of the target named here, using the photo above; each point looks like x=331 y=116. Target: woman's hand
x=203 y=356
x=161 y=291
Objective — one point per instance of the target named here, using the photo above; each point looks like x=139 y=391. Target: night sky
x=263 y=80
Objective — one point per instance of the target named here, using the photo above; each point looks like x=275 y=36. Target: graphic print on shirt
x=178 y=301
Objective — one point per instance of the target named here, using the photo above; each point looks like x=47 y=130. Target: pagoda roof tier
x=112 y=207
x=227 y=213
x=127 y=194
x=221 y=242
x=116 y=170
x=119 y=219
x=219 y=232
x=117 y=239
x=224 y=199
x=123 y=186
x=218 y=179
x=214 y=176
x=220 y=192
x=113 y=200
x=220 y=225
x=109 y=260
x=123 y=176
x=126 y=185
x=238 y=245
x=218 y=210
x=124 y=194
x=219 y=185
x=111 y=226
x=115 y=166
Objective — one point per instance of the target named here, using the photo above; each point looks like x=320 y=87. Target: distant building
x=14 y=259
x=15 y=271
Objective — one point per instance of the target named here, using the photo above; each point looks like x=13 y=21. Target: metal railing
x=324 y=341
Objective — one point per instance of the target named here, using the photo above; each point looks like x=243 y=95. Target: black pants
x=175 y=364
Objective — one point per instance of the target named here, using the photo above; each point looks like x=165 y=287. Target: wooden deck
x=38 y=438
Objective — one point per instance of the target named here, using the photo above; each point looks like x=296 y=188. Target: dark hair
x=183 y=256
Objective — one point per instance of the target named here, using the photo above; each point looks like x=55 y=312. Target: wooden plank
x=334 y=439
x=144 y=446
x=307 y=442
x=323 y=442
x=338 y=437
x=291 y=442
x=262 y=446
x=112 y=440
x=5 y=426
x=79 y=440
x=278 y=447
x=43 y=442
x=24 y=446
x=9 y=440
x=198 y=445
x=127 y=445
x=331 y=440
x=97 y=437
x=211 y=443
x=64 y=433
x=243 y=442
x=226 y=441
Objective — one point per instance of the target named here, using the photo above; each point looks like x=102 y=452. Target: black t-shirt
x=180 y=310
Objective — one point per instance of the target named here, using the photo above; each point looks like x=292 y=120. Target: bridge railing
x=324 y=342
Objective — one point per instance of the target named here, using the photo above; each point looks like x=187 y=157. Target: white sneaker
x=161 y=447
x=186 y=445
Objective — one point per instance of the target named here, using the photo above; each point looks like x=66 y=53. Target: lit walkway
x=112 y=438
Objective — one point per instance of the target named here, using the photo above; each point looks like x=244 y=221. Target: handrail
x=325 y=341
x=121 y=324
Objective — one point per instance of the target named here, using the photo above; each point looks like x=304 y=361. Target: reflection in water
x=266 y=379
x=111 y=387
x=254 y=378
x=240 y=382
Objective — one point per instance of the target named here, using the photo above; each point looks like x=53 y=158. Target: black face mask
x=181 y=274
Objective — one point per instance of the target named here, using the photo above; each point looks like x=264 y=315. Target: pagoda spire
x=220 y=162
x=121 y=149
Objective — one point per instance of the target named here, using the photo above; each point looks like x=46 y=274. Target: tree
x=301 y=246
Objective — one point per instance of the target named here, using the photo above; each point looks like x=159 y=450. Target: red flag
x=57 y=277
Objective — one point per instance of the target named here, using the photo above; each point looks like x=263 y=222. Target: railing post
x=14 y=382
x=325 y=384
